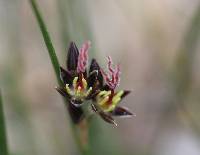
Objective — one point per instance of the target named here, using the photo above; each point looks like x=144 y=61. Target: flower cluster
x=81 y=84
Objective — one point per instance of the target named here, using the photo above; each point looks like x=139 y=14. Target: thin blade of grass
x=3 y=140
x=183 y=70
x=186 y=55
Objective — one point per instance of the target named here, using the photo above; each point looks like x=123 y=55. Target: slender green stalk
x=3 y=140
x=186 y=55
x=183 y=69
x=56 y=66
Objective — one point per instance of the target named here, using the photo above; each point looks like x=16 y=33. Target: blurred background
x=157 y=44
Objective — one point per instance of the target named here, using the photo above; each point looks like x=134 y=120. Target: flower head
x=78 y=85
x=108 y=99
x=81 y=84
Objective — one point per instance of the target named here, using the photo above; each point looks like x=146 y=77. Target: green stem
x=55 y=63
x=3 y=140
x=183 y=67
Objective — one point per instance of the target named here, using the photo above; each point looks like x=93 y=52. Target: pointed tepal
x=72 y=57
x=95 y=74
x=122 y=112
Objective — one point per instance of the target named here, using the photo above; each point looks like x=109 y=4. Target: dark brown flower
x=107 y=100
x=78 y=84
x=96 y=85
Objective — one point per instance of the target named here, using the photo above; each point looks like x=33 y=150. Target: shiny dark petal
x=76 y=113
x=105 y=87
x=107 y=117
x=66 y=76
x=122 y=112
x=62 y=91
x=92 y=78
x=93 y=73
x=94 y=67
x=72 y=57
x=126 y=92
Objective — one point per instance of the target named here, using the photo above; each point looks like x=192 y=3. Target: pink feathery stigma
x=83 y=57
x=117 y=72
x=112 y=77
x=110 y=63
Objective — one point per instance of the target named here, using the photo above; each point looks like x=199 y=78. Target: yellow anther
x=68 y=89
x=102 y=93
x=75 y=82
x=118 y=95
x=116 y=101
x=88 y=91
x=84 y=83
x=107 y=93
x=102 y=102
x=77 y=91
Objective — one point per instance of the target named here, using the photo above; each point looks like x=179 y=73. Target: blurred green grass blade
x=47 y=40
x=184 y=67
x=186 y=55
x=3 y=141
x=193 y=32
